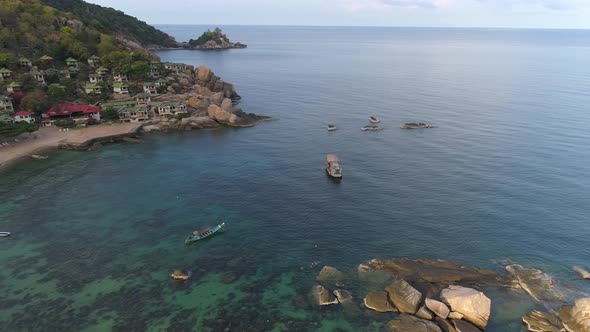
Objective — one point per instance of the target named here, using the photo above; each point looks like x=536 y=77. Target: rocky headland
x=435 y=295
x=210 y=101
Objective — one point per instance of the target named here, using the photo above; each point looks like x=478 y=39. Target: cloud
x=359 y=5
x=538 y=4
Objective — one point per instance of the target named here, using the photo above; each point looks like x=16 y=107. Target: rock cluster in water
x=434 y=295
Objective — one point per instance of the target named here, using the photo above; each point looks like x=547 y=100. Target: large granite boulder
x=332 y=277
x=537 y=284
x=473 y=304
x=218 y=114
x=216 y=98
x=203 y=74
x=438 y=308
x=374 y=279
x=409 y=323
x=405 y=297
x=198 y=122
x=379 y=301
x=538 y=321
x=576 y=318
x=227 y=105
x=320 y=296
x=150 y=128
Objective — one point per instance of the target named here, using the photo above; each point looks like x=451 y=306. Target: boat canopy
x=332 y=158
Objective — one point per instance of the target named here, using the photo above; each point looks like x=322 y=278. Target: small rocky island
x=211 y=40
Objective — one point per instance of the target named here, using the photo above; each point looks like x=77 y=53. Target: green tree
x=56 y=93
x=139 y=70
x=35 y=101
x=109 y=114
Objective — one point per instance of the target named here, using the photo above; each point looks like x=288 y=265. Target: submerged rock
x=409 y=323
x=379 y=301
x=332 y=277
x=438 y=308
x=437 y=271
x=583 y=273
x=538 y=321
x=343 y=296
x=473 y=304
x=463 y=326
x=536 y=283
x=576 y=318
x=405 y=297
x=320 y=296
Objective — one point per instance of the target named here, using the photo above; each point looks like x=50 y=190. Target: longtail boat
x=205 y=233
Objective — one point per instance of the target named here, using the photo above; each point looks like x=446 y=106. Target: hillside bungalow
x=24 y=62
x=13 y=87
x=78 y=113
x=46 y=59
x=102 y=71
x=73 y=71
x=65 y=73
x=143 y=98
x=6 y=104
x=38 y=76
x=25 y=116
x=71 y=62
x=121 y=88
x=94 y=61
x=5 y=73
x=133 y=114
x=172 y=107
x=150 y=88
x=161 y=83
x=93 y=88
x=177 y=67
x=6 y=118
x=95 y=78
x=120 y=77
x=154 y=70
x=118 y=104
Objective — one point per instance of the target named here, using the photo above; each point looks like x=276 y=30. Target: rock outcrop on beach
x=583 y=273
x=405 y=297
x=536 y=283
x=321 y=296
x=576 y=318
x=538 y=321
x=379 y=301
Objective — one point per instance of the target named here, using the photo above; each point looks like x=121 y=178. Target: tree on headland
x=109 y=114
x=216 y=35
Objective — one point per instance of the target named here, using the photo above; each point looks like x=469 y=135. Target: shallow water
x=502 y=179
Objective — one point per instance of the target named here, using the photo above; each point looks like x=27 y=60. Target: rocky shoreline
x=427 y=295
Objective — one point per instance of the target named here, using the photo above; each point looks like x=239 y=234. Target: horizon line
x=371 y=26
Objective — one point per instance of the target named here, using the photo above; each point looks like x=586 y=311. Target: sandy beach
x=51 y=137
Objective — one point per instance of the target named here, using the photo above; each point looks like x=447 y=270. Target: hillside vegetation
x=112 y=21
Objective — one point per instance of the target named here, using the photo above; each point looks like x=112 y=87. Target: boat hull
x=195 y=238
x=4 y=234
x=334 y=176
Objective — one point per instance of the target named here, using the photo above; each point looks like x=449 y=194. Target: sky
x=548 y=14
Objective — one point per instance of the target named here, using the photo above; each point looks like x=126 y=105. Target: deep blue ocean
x=504 y=178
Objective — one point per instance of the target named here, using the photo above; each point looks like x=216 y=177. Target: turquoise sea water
x=504 y=178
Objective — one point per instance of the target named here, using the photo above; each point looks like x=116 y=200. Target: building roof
x=4 y=98
x=120 y=85
x=130 y=109
x=22 y=113
x=142 y=95
x=149 y=84
x=5 y=71
x=74 y=69
x=172 y=103
x=118 y=104
x=14 y=85
x=71 y=60
x=23 y=59
x=67 y=109
x=91 y=86
x=94 y=57
x=161 y=80
x=46 y=57
x=36 y=72
x=102 y=69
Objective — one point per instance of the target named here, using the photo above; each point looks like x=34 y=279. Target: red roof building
x=76 y=112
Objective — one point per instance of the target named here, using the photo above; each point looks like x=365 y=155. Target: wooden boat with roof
x=205 y=233
x=333 y=166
